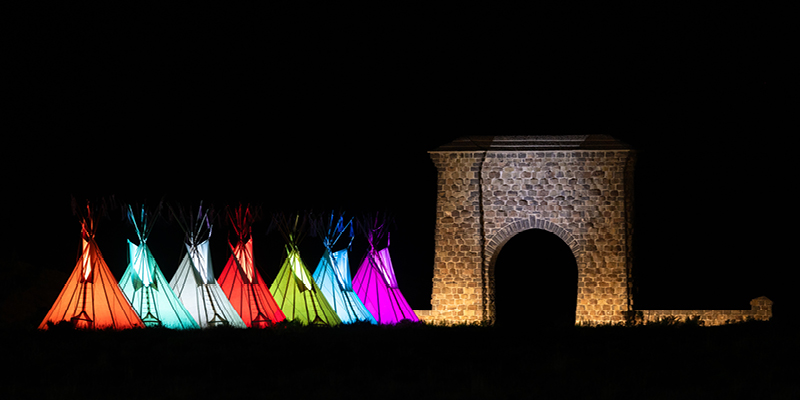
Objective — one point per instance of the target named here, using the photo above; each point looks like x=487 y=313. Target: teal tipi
x=144 y=284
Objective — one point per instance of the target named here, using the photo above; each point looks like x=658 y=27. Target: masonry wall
x=485 y=198
x=760 y=309
x=459 y=287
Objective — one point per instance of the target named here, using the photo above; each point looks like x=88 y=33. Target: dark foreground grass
x=415 y=361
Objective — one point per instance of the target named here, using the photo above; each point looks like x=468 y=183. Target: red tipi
x=240 y=280
x=91 y=298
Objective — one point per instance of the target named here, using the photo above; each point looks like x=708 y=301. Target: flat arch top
x=533 y=143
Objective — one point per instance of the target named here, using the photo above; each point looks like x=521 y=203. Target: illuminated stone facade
x=492 y=187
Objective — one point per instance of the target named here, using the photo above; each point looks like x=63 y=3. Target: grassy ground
x=752 y=360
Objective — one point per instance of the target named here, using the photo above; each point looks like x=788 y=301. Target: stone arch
x=499 y=238
x=494 y=246
x=490 y=188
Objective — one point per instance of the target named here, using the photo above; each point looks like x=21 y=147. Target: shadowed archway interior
x=536 y=280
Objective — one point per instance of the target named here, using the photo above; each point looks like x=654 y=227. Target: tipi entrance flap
x=86 y=262
x=341 y=269
x=243 y=259
x=200 y=257
x=142 y=263
x=384 y=265
x=304 y=280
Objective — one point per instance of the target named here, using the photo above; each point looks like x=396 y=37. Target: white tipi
x=194 y=281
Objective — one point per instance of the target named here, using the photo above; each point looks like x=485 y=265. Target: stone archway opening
x=535 y=279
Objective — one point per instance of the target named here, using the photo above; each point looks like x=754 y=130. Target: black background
x=319 y=109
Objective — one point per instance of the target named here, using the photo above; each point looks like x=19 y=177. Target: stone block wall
x=486 y=197
x=458 y=277
x=760 y=309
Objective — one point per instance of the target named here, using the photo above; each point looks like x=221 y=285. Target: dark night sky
x=313 y=110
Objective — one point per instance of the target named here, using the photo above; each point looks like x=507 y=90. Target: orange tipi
x=91 y=298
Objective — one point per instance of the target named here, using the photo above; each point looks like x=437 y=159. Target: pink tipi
x=375 y=281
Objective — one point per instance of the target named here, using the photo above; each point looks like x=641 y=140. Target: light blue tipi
x=333 y=274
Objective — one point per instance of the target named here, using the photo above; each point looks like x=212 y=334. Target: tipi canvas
x=194 y=281
x=240 y=280
x=91 y=298
x=145 y=285
x=333 y=274
x=376 y=284
x=294 y=288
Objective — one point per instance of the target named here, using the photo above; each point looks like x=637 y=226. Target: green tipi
x=294 y=289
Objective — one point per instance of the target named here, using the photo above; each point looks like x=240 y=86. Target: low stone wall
x=760 y=309
x=425 y=315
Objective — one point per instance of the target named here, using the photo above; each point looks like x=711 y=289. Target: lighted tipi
x=240 y=280
x=194 y=281
x=145 y=285
x=375 y=281
x=333 y=272
x=91 y=298
x=294 y=288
